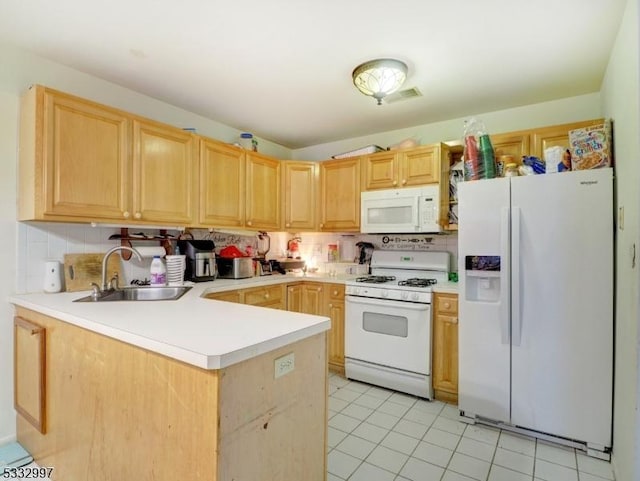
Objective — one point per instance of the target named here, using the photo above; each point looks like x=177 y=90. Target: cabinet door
x=263 y=192
x=227 y=296
x=445 y=346
x=164 y=163
x=29 y=371
x=300 y=195
x=557 y=135
x=271 y=296
x=340 y=195
x=419 y=166
x=312 y=298
x=334 y=302
x=294 y=297
x=515 y=144
x=222 y=185
x=380 y=171
x=86 y=166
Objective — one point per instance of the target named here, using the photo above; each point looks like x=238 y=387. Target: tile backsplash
x=39 y=242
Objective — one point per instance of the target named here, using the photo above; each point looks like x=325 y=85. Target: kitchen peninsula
x=187 y=389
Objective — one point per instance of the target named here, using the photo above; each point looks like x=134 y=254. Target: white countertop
x=203 y=332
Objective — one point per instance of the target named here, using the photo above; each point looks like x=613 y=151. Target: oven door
x=389 y=333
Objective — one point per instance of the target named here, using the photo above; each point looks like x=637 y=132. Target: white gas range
x=388 y=320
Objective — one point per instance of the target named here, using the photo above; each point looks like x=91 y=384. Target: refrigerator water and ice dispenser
x=482 y=278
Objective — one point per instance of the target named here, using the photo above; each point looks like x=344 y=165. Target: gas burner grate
x=418 y=282
x=376 y=279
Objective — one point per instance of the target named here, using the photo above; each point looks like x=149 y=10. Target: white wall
x=8 y=135
x=583 y=107
x=620 y=102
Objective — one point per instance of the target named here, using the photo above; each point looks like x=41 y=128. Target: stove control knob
x=385 y=294
x=404 y=295
x=415 y=296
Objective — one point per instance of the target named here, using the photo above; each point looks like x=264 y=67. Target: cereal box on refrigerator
x=591 y=147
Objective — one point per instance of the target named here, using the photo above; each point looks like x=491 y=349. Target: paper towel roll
x=150 y=251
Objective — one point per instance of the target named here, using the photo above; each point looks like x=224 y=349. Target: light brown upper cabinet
x=164 y=169
x=299 y=180
x=74 y=159
x=405 y=168
x=222 y=184
x=515 y=144
x=263 y=192
x=557 y=135
x=340 y=195
x=82 y=161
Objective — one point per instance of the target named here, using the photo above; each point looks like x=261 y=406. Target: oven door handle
x=368 y=301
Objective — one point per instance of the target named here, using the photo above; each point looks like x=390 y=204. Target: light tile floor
x=380 y=435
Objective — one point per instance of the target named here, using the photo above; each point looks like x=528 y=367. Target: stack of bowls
x=175 y=269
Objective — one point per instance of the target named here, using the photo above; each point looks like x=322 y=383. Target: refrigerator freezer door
x=562 y=365
x=484 y=367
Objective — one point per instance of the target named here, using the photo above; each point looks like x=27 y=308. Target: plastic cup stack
x=175 y=269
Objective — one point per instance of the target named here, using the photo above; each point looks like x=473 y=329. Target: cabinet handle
x=126 y=214
x=266 y=296
x=454 y=320
x=395 y=182
x=321 y=226
x=249 y=222
x=138 y=215
x=330 y=305
x=447 y=305
x=287 y=225
x=319 y=289
x=335 y=293
x=404 y=181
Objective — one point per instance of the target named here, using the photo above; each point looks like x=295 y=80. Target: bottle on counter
x=158 y=272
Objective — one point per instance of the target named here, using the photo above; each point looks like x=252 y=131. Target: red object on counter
x=231 y=252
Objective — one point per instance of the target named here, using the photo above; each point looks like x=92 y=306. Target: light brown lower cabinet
x=267 y=296
x=334 y=303
x=29 y=351
x=119 y=412
x=445 y=347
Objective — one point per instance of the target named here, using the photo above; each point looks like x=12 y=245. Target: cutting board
x=80 y=270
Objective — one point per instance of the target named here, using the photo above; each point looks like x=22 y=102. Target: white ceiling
x=282 y=68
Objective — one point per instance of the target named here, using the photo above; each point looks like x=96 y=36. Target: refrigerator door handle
x=516 y=316
x=504 y=275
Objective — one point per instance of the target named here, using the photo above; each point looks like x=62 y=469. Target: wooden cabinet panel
x=227 y=296
x=419 y=166
x=269 y=296
x=294 y=297
x=340 y=195
x=74 y=158
x=515 y=144
x=222 y=185
x=164 y=164
x=299 y=181
x=445 y=347
x=313 y=298
x=380 y=171
x=334 y=302
x=263 y=192
x=29 y=372
x=557 y=135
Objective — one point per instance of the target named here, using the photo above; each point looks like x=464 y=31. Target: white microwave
x=398 y=211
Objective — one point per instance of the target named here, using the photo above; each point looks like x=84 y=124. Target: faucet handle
x=113 y=282
x=95 y=290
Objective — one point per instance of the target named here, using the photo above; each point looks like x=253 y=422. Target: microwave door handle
x=416 y=212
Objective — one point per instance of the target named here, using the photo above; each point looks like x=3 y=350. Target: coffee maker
x=200 y=259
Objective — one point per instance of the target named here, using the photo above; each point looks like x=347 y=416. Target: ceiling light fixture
x=380 y=77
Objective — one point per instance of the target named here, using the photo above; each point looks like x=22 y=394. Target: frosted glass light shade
x=380 y=77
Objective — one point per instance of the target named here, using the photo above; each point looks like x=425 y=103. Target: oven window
x=389 y=215
x=387 y=324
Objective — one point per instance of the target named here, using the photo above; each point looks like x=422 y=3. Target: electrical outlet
x=284 y=365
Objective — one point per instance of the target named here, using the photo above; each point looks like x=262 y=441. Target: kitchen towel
x=150 y=251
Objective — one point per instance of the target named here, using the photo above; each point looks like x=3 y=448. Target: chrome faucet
x=105 y=259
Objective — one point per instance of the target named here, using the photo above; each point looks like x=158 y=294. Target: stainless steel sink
x=170 y=293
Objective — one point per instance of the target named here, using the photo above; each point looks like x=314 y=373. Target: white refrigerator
x=536 y=305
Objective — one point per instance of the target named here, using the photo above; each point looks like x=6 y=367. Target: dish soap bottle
x=158 y=272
